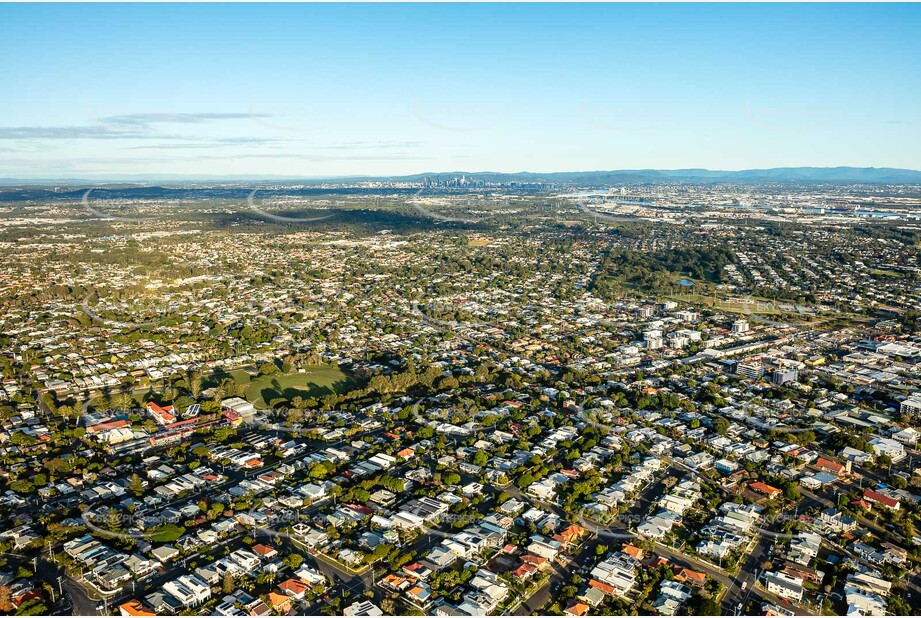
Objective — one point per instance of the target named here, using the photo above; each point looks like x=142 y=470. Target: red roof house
x=875 y=497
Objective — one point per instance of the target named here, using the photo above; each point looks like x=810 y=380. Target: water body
x=685 y=282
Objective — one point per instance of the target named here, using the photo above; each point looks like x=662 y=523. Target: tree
x=700 y=605
x=268 y=369
x=136 y=485
x=215 y=509
x=21 y=439
x=294 y=561
x=228 y=584
x=194 y=381
x=22 y=486
x=721 y=425
x=6 y=600
x=802 y=437
x=524 y=480
x=181 y=404
x=898 y=606
x=57 y=466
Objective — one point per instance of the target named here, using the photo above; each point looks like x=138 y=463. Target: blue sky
x=317 y=90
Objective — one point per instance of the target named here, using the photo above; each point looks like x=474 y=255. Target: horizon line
x=129 y=177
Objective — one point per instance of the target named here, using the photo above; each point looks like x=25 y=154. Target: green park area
x=166 y=533
x=750 y=304
x=315 y=382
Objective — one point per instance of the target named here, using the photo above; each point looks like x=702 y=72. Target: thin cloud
x=147 y=119
x=260 y=141
x=123 y=126
x=370 y=145
x=210 y=143
x=64 y=132
x=315 y=157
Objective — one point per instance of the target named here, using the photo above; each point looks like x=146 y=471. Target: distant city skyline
x=339 y=90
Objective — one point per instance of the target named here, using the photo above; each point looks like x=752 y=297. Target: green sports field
x=316 y=381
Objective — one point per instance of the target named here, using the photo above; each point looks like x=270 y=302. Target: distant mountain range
x=875 y=175
x=808 y=175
